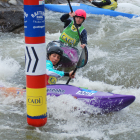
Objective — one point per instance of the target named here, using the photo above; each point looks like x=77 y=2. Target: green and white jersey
x=70 y=34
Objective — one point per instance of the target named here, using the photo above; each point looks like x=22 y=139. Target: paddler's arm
x=65 y=18
x=101 y=4
x=50 y=71
x=83 y=38
x=58 y=74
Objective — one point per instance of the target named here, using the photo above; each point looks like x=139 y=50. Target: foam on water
x=128 y=8
x=135 y=2
x=49 y=37
x=8 y=68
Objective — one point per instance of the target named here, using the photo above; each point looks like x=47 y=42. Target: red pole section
x=35 y=62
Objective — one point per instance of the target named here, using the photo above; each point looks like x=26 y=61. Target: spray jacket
x=52 y=74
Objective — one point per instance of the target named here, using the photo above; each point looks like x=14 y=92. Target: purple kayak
x=70 y=56
x=106 y=102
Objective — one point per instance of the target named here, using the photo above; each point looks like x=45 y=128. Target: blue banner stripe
x=37 y=117
x=34 y=20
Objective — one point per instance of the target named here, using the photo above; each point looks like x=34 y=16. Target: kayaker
x=70 y=34
x=105 y=4
x=54 y=56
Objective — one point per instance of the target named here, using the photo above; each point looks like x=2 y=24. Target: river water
x=113 y=66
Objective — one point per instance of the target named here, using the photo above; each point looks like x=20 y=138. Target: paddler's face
x=79 y=20
x=54 y=58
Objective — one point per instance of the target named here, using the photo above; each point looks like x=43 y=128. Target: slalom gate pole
x=35 y=62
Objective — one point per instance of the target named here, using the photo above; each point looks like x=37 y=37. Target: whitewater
x=113 y=66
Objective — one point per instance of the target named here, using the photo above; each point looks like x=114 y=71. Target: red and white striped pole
x=35 y=67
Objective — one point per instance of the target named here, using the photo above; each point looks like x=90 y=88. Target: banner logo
x=73 y=28
x=35 y=15
x=68 y=39
x=35 y=101
x=25 y=19
x=52 y=80
x=39 y=15
x=86 y=92
x=56 y=91
x=25 y=15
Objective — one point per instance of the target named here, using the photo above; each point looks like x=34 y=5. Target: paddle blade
x=83 y=58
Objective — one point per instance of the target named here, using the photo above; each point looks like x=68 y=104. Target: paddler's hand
x=83 y=46
x=70 y=74
x=72 y=14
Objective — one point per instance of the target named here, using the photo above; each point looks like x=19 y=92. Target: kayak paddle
x=84 y=55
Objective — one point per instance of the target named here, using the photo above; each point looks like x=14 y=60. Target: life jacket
x=70 y=34
x=112 y=6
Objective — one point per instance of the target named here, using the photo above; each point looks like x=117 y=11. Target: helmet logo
x=48 y=48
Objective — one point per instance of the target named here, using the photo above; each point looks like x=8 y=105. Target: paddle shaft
x=72 y=74
x=74 y=20
x=79 y=37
